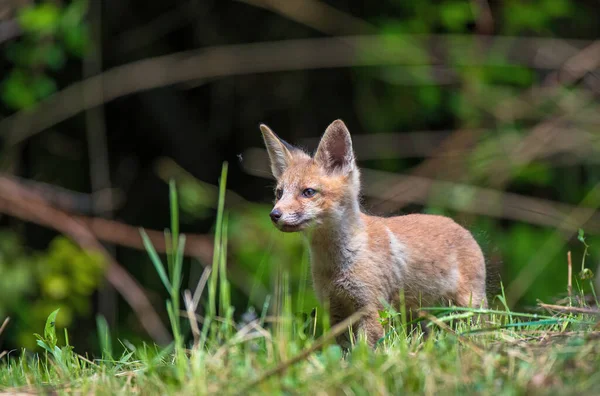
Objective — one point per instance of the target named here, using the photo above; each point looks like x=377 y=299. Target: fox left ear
x=279 y=151
x=335 y=149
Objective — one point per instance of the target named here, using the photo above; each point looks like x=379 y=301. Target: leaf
x=586 y=273
x=456 y=15
x=77 y=40
x=43 y=345
x=74 y=13
x=41 y=19
x=17 y=90
x=58 y=354
x=50 y=329
x=54 y=57
x=43 y=86
x=581 y=236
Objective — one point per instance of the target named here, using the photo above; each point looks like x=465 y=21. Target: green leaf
x=74 y=12
x=586 y=273
x=50 y=329
x=45 y=346
x=41 y=19
x=581 y=235
x=456 y=15
x=17 y=91
x=76 y=39
x=54 y=57
x=43 y=86
x=557 y=8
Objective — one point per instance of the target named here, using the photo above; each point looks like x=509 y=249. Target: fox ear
x=278 y=149
x=335 y=149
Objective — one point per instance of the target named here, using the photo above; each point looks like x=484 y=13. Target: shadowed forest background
x=483 y=110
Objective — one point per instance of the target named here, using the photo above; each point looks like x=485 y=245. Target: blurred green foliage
x=33 y=284
x=51 y=32
x=410 y=98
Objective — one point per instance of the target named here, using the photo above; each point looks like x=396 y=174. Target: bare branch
x=316 y=14
x=13 y=203
x=265 y=57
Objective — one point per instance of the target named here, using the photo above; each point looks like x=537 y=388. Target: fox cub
x=357 y=260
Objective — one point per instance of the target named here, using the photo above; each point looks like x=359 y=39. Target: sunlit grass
x=468 y=350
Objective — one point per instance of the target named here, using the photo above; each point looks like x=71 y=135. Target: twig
x=112 y=231
x=4 y=324
x=200 y=287
x=190 y=310
x=476 y=348
x=197 y=245
x=9 y=30
x=69 y=200
x=570 y=274
x=484 y=21
x=560 y=308
x=324 y=339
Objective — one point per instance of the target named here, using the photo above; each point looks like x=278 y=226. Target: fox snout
x=288 y=221
x=275 y=215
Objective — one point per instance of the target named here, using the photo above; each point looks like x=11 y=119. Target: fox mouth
x=293 y=227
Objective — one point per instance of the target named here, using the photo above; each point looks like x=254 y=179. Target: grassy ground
x=555 y=351
x=557 y=354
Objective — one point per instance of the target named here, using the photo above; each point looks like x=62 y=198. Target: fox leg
x=370 y=327
x=338 y=311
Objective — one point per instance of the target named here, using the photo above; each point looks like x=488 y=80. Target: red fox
x=358 y=260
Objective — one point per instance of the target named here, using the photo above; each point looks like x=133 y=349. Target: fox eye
x=308 y=193
x=279 y=193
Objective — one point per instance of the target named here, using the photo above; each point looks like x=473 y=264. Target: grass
x=501 y=353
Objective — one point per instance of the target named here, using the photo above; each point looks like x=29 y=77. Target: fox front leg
x=370 y=328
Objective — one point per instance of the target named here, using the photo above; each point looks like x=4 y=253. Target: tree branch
x=14 y=203
x=229 y=60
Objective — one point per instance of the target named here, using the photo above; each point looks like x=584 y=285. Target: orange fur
x=357 y=260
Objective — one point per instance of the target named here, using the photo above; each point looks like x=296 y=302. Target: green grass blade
x=104 y=337
x=178 y=270
x=158 y=265
x=223 y=284
x=174 y=214
x=212 y=287
x=490 y=312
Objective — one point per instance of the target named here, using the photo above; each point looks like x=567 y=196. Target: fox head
x=313 y=191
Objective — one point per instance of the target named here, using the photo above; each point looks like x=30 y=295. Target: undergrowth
x=468 y=350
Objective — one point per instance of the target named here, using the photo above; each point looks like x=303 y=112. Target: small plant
x=49 y=342
x=586 y=273
x=175 y=244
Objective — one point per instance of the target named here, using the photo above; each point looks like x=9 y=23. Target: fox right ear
x=279 y=154
x=335 y=149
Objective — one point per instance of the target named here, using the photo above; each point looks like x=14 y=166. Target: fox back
x=360 y=261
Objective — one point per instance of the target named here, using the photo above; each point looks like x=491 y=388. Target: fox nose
x=275 y=215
